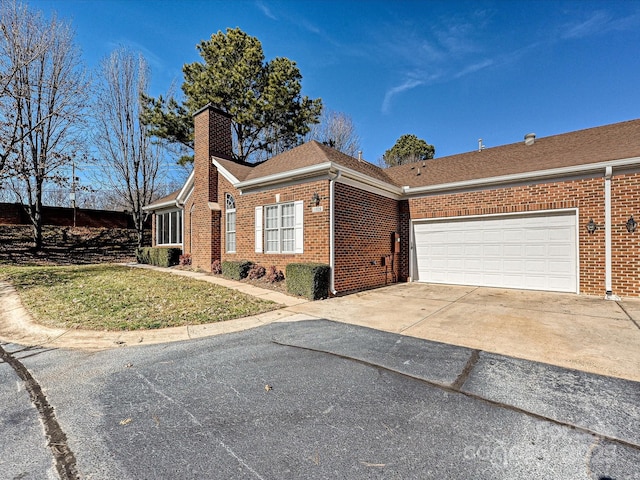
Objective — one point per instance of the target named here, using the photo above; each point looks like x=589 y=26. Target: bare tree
x=131 y=160
x=336 y=129
x=42 y=106
x=11 y=62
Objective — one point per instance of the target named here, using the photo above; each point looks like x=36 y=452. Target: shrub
x=256 y=271
x=158 y=256
x=309 y=280
x=274 y=275
x=185 y=259
x=142 y=255
x=216 y=267
x=236 y=270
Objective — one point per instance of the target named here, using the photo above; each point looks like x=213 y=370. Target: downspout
x=607 y=236
x=332 y=232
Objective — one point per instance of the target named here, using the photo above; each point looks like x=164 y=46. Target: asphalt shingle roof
x=314 y=153
x=592 y=145
x=171 y=197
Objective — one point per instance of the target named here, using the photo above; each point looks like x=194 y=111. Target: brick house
x=553 y=213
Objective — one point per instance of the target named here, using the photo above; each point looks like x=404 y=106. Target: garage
x=532 y=251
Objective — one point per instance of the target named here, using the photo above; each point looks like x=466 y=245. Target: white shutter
x=258 y=229
x=299 y=226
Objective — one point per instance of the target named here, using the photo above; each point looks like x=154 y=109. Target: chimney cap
x=210 y=106
x=529 y=138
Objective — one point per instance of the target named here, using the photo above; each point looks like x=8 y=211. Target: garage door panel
x=513 y=251
x=562 y=268
x=492 y=265
x=533 y=267
x=535 y=236
x=492 y=250
x=491 y=236
x=560 y=234
x=535 y=251
x=512 y=236
x=512 y=266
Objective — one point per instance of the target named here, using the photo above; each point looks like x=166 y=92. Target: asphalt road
x=313 y=399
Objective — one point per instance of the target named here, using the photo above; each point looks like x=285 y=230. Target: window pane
x=231 y=242
x=288 y=215
x=271 y=214
x=179 y=227
x=165 y=228
x=288 y=240
x=272 y=241
x=231 y=231
x=158 y=229
x=173 y=225
x=231 y=221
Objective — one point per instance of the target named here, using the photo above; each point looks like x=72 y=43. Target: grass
x=114 y=297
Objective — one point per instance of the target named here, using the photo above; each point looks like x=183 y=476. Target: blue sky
x=449 y=72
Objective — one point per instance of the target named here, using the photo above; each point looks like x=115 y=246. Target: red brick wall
x=625 y=246
x=315 y=230
x=363 y=226
x=585 y=194
x=404 y=227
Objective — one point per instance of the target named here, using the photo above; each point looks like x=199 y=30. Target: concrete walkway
x=572 y=331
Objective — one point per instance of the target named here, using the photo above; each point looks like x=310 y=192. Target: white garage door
x=535 y=252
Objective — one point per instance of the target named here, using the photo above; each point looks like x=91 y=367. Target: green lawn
x=114 y=297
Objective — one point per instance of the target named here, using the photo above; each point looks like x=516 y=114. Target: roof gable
x=313 y=153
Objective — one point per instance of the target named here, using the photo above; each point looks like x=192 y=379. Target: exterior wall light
x=591 y=226
x=631 y=225
x=315 y=199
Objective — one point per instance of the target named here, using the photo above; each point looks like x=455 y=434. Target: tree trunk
x=36 y=224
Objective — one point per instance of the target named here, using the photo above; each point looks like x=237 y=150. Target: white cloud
x=474 y=68
x=266 y=10
x=392 y=92
x=600 y=22
x=594 y=24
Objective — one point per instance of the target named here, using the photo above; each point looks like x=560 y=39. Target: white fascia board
x=186 y=190
x=287 y=176
x=358 y=179
x=225 y=173
x=379 y=186
x=161 y=206
x=519 y=177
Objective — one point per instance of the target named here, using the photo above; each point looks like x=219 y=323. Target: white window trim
x=261 y=228
x=172 y=228
x=229 y=200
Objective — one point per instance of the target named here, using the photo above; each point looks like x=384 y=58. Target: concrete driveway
x=572 y=331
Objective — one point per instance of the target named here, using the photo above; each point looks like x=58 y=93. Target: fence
x=15 y=214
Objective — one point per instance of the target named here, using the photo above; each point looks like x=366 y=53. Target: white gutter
x=607 y=236
x=328 y=168
x=332 y=233
x=159 y=206
x=367 y=180
x=519 y=177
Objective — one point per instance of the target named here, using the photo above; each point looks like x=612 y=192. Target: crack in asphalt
x=454 y=388
x=65 y=460
x=466 y=371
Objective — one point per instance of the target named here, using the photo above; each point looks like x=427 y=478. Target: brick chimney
x=212 y=137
